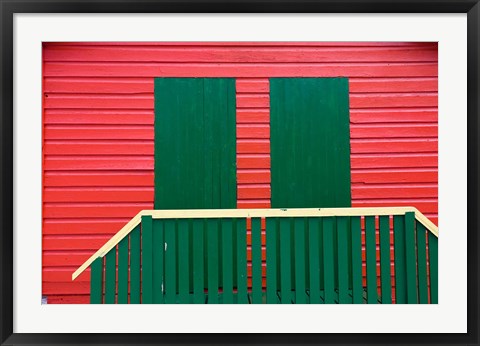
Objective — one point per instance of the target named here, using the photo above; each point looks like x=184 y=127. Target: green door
x=195 y=143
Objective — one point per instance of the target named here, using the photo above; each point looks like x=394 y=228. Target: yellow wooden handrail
x=247 y=213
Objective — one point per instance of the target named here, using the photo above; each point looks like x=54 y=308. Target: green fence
x=341 y=255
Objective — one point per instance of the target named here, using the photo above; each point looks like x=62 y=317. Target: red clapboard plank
x=393 y=161
x=253 y=176
x=69 y=299
x=91 y=242
x=65 y=258
x=373 y=177
x=99 y=148
x=253 y=131
x=393 y=100
x=99 y=132
x=256 y=115
x=253 y=146
x=253 y=191
x=98 y=194
x=64 y=275
x=98 y=85
x=98 y=116
x=424 y=206
x=74 y=287
x=83 y=226
x=238 y=54
x=98 y=163
x=135 y=69
x=252 y=85
x=98 y=179
x=253 y=100
x=400 y=191
x=431 y=45
x=251 y=204
x=393 y=115
x=119 y=101
x=393 y=146
x=391 y=85
x=253 y=161
x=394 y=131
x=92 y=211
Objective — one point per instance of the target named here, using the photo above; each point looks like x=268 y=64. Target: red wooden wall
x=98 y=131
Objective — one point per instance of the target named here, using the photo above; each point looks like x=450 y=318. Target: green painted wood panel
x=147 y=260
x=271 y=253
x=183 y=261
x=170 y=261
x=422 y=263
x=410 y=258
x=198 y=261
x=110 y=276
x=212 y=260
x=256 y=261
x=342 y=243
x=227 y=260
x=371 y=260
x=433 y=262
x=158 y=260
x=315 y=268
x=399 y=255
x=310 y=142
x=357 y=286
x=123 y=271
x=285 y=260
x=135 y=266
x=385 y=263
x=328 y=259
x=96 y=281
x=300 y=255
x=241 y=230
x=195 y=143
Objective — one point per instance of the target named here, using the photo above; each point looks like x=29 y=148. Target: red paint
x=98 y=131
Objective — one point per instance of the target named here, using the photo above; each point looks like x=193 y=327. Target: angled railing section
x=328 y=255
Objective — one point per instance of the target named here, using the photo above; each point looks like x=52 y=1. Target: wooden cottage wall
x=98 y=131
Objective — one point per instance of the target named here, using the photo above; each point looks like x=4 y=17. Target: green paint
x=212 y=260
x=183 y=261
x=96 y=281
x=411 y=258
x=399 y=255
x=315 y=271
x=342 y=243
x=135 y=266
x=310 y=142
x=195 y=143
x=300 y=263
x=256 y=261
x=198 y=261
x=227 y=260
x=147 y=260
x=123 y=271
x=433 y=260
x=158 y=261
x=241 y=230
x=422 y=263
x=110 y=276
x=385 y=263
x=285 y=260
x=170 y=283
x=371 y=260
x=357 y=287
x=271 y=252
x=328 y=260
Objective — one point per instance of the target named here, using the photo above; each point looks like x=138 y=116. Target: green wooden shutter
x=310 y=142
x=195 y=143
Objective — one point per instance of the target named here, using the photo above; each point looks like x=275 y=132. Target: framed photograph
x=206 y=176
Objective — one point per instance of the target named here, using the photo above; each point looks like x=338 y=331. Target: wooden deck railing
x=312 y=256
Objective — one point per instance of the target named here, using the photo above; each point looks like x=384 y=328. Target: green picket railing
x=335 y=255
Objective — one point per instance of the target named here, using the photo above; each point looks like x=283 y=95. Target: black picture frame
x=10 y=7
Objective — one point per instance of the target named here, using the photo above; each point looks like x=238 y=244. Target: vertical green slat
x=147 y=260
x=271 y=248
x=285 y=260
x=411 y=258
x=256 y=261
x=342 y=252
x=183 y=267
x=198 y=262
x=399 y=255
x=135 y=266
x=212 y=260
x=433 y=260
x=110 y=276
x=300 y=269
x=123 y=271
x=371 y=260
x=170 y=283
x=158 y=261
x=385 y=263
x=227 y=259
x=357 y=286
x=242 y=260
x=96 y=281
x=422 y=264
x=314 y=259
x=328 y=259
